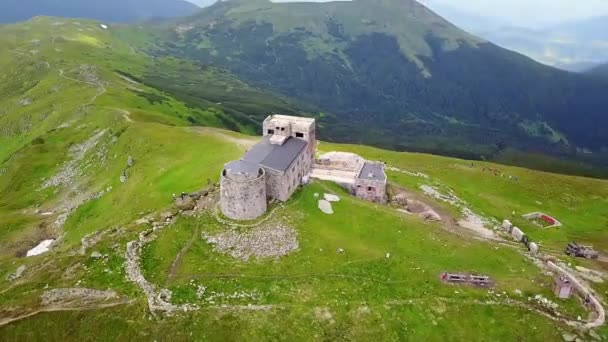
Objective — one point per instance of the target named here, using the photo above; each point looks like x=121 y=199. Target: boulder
x=401 y=199
x=533 y=248
x=517 y=234
x=18 y=273
x=187 y=203
x=331 y=198
x=325 y=206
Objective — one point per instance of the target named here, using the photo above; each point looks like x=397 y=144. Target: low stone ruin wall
x=586 y=293
x=519 y=236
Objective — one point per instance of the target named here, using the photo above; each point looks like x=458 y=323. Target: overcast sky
x=530 y=13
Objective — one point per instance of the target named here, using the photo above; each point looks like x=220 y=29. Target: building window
x=282 y=128
x=271 y=131
x=299 y=135
x=371 y=188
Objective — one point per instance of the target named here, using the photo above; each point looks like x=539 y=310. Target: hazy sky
x=528 y=12
x=531 y=13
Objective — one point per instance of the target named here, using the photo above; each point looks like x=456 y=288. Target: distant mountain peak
x=106 y=10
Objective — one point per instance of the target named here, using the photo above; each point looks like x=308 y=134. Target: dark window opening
x=299 y=135
x=271 y=131
x=371 y=188
x=282 y=128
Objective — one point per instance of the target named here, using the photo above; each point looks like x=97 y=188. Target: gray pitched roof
x=372 y=171
x=276 y=157
x=240 y=166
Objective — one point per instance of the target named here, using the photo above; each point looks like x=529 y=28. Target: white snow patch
x=42 y=247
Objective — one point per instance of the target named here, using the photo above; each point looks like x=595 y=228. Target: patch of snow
x=41 y=248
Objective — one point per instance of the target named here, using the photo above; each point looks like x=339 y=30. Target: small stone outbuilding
x=371 y=183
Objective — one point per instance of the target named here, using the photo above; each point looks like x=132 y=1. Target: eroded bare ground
x=66 y=299
x=416 y=203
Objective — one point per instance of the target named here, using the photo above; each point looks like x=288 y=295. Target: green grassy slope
x=95 y=104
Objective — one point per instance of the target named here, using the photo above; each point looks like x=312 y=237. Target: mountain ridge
x=396 y=76
x=12 y=11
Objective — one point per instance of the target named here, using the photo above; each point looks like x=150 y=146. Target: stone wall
x=243 y=197
x=370 y=190
x=585 y=292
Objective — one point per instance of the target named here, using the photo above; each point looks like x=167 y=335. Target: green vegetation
x=95 y=135
x=392 y=74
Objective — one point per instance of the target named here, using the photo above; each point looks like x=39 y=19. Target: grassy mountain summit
x=394 y=74
x=107 y=10
x=96 y=136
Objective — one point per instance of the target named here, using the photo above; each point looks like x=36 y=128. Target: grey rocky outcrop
x=268 y=241
x=81 y=295
x=17 y=274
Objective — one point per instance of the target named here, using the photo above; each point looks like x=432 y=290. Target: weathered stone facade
x=272 y=169
x=370 y=185
x=243 y=191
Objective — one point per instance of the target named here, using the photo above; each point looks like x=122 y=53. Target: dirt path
x=58 y=308
x=178 y=257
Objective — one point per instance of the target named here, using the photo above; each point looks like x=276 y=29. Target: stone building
x=370 y=184
x=364 y=179
x=272 y=169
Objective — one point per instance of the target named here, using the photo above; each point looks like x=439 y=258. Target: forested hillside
x=393 y=74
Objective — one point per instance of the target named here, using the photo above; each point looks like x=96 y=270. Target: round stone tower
x=243 y=191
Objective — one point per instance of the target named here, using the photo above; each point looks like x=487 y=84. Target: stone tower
x=243 y=191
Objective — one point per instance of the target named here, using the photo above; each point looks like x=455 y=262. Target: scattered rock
x=268 y=241
x=18 y=273
x=80 y=295
x=25 y=102
x=96 y=255
x=325 y=206
x=130 y=162
x=569 y=337
x=340 y=251
x=123 y=177
x=331 y=198
x=185 y=203
x=324 y=315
